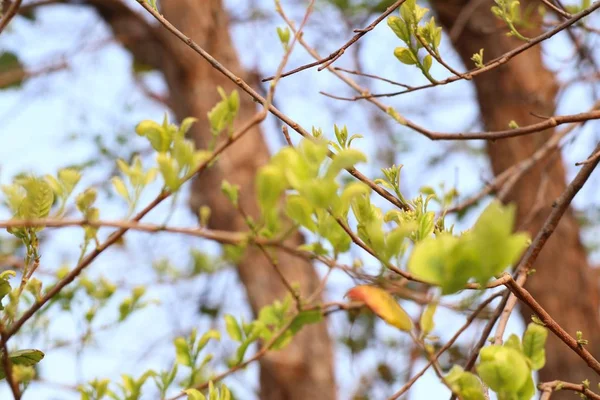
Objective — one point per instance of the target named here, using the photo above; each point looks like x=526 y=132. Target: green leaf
x=495 y=225
x=38 y=200
x=527 y=391
x=426 y=225
x=321 y=193
x=182 y=352
x=284 y=35
x=194 y=394
x=231 y=192
x=419 y=12
x=514 y=342
x=270 y=183
x=300 y=211
x=120 y=187
x=427 y=62
x=69 y=177
x=503 y=369
x=86 y=199
x=211 y=334
x=399 y=27
x=534 y=342
x=346 y=158
x=186 y=124
x=158 y=136
x=302 y=319
x=465 y=384
x=169 y=170
x=439 y=261
x=426 y=322
x=233 y=329
x=405 y=56
x=25 y=358
x=183 y=152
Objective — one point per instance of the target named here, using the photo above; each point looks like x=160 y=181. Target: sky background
x=64 y=118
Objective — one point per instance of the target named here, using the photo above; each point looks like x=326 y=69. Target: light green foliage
x=534 y=341
x=507 y=369
x=407 y=28
x=26 y=359
x=85 y=204
x=131 y=388
x=478 y=59
x=222 y=393
x=343 y=141
x=164 y=380
x=187 y=354
x=177 y=157
x=63 y=185
x=284 y=36
x=137 y=178
x=465 y=384
x=223 y=114
x=575 y=8
x=392 y=180
x=231 y=191
x=96 y=390
x=313 y=195
x=426 y=322
x=510 y=12
x=133 y=302
x=5 y=286
x=272 y=319
x=452 y=261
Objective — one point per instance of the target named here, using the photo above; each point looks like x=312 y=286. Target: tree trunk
x=563 y=284
x=304 y=369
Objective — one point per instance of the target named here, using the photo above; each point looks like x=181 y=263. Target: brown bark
x=563 y=283
x=304 y=369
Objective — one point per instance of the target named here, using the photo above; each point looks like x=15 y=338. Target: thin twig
x=498 y=61
x=552 y=325
x=9 y=14
x=327 y=61
x=7 y=367
x=549 y=387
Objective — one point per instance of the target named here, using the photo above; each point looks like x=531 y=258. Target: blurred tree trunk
x=563 y=283
x=304 y=369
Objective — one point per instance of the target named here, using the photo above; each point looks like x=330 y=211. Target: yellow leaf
x=383 y=304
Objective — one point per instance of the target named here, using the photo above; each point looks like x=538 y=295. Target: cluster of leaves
x=223 y=114
x=450 y=261
x=32 y=197
x=506 y=369
x=270 y=324
x=309 y=182
x=276 y=324
x=23 y=361
x=187 y=354
x=415 y=36
x=137 y=178
x=177 y=157
x=509 y=11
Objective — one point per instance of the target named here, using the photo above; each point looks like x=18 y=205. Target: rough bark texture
x=304 y=369
x=563 y=283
